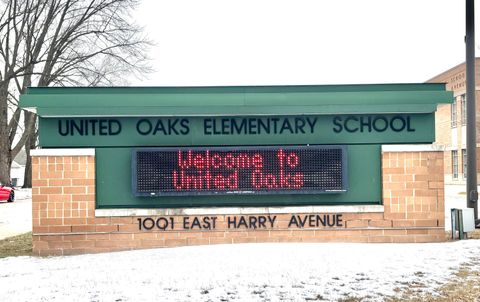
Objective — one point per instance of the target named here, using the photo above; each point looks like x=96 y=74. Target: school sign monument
x=126 y=168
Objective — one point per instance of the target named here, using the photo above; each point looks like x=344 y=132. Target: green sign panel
x=231 y=130
x=114 y=185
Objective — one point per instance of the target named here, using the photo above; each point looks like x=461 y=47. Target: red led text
x=237 y=171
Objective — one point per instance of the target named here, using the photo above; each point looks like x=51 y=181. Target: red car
x=7 y=193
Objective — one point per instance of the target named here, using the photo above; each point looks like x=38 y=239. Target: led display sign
x=239 y=170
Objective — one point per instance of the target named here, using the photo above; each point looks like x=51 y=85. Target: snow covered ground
x=242 y=272
x=22 y=194
x=16 y=217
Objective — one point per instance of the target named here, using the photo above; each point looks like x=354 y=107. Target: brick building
x=450 y=123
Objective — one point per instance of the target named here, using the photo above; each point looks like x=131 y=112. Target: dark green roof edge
x=240 y=89
x=247 y=100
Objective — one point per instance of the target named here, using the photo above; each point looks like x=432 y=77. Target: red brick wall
x=64 y=220
x=413 y=189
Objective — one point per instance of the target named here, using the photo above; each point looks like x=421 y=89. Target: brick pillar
x=63 y=201
x=413 y=192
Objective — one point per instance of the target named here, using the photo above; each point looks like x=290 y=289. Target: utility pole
x=472 y=194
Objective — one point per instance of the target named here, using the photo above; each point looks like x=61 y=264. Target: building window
x=464 y=162
x=464 y=110
x=453 y=110
x=455 y=164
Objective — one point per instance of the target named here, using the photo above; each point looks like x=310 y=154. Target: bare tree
x=60 y=43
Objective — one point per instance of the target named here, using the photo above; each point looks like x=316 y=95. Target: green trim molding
x=261 y=100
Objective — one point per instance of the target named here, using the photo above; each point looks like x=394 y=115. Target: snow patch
x=242 y=272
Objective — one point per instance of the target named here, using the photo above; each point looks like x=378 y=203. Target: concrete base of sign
x=239 y=211
x=65 y=220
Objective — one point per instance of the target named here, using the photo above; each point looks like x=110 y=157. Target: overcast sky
x=257 y=42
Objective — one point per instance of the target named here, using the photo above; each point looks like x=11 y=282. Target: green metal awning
x=235 y=101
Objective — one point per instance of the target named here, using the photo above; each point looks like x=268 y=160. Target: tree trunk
x=31 y=144
x=27 y=178
x=5 y=163
x=5 y=154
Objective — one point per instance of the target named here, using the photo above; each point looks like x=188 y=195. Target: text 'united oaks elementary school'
x=237 y=126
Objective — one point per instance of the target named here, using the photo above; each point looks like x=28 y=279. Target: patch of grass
x=464 y=287
x=20 y=245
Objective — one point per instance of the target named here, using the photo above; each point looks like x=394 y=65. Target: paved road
x=16 y=217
